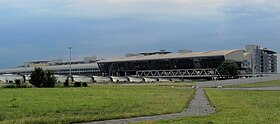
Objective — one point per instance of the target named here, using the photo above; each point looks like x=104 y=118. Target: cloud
x=113 y=8
x=152 y=8
x=92 y=8
x=95 y=25
x=148 y=9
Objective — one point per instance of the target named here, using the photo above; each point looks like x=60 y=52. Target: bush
x=50 y=80
x=37 y=77
x=10 y=82
x=41 y=78
x=85 y=84
x=16 y=84
x=66 y=83
x=228 y=69
x=77 y=84
x=10 y=86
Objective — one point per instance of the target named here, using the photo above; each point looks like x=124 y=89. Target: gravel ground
x=200 y=105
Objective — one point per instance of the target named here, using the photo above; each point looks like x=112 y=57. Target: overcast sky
x=42 y=29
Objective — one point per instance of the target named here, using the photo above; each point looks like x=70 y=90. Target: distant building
x=36 y=64
x=184 y=64
x=88 y=66
x=90 y=59
x=167 y=64
x=263 y=60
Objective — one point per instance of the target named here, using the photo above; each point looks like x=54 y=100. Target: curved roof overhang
x=172 y=56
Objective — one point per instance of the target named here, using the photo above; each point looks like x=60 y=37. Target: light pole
x=70 y=57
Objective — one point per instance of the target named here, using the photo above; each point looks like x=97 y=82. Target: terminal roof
x=170 y=56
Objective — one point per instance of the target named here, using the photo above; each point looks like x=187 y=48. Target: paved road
x=198 y=106
x=238 y=81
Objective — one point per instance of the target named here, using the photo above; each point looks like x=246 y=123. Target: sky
x=43 y=29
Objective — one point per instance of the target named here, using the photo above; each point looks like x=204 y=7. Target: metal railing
x=178 y=73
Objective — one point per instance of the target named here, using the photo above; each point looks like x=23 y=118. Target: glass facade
x=80 y=71
x=130 y=67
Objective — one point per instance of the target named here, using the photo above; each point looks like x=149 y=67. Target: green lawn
x=175 y=84
x=258 y=84
x=238 y=107
x=98 y=102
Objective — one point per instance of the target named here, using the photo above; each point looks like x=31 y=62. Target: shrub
x=85 y=84
x=49 y=79
x=228 y=69
x=77 y=84
x=66 y=83
x=41 y=78
x=10 y=86
x=37 y=77
x=16 y=84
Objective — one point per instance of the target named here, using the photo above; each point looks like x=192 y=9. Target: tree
x=18 y=83
x=228 y=68
x=37 y=77
x=41 y=78
x=50 y=79
x=66 y=83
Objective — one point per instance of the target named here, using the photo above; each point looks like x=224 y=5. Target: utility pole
x=70 y=57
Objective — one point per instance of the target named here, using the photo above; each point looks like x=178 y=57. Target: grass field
x=98 y=102
x=258 y=84
x=238 y=107
x=175 y=84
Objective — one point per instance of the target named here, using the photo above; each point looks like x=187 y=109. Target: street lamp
x=70 y=57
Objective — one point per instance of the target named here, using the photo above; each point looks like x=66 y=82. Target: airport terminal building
x=88 y=66
x=165 y=64
x=184 y=64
